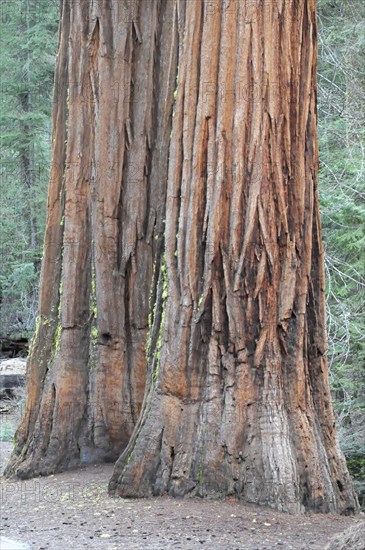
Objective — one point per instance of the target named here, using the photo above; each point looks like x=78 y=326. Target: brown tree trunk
x=238 y=399
x=112 y=123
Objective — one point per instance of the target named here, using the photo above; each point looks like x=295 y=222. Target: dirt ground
x=73 y=511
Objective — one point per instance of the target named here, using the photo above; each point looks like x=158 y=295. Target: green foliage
x=28 y=43
x=341 y=87
x=356 y=464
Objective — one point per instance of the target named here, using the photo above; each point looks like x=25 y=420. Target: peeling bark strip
x=238 y=399
x=225 y=299
x=114 y=94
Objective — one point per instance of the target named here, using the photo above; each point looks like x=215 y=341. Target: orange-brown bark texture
x=182 y=292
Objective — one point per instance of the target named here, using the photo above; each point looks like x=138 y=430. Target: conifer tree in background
x=341 y=83
x=27 y=56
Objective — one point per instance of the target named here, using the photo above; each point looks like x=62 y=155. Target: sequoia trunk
x=112 y=123
x=238 y=399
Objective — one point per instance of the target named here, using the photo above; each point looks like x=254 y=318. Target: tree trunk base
x=171 y=453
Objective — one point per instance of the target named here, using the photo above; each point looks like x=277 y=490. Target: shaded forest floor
x=73 y=510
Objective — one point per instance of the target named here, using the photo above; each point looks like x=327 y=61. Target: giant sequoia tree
x=182 y=289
